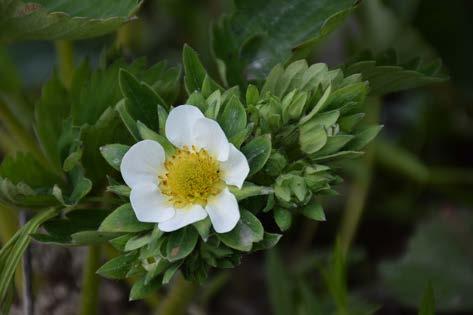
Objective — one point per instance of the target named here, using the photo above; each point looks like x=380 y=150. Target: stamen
x=192 y=176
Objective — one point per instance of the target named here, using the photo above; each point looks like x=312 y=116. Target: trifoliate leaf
x=314 y=211
x=53 y=19
x=244 y=42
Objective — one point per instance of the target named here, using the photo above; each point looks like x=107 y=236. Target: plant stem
x=90 y=282
x=8 y=227
x=179 y=298
x=65 y=55
x=28 y=301
x=360 y=187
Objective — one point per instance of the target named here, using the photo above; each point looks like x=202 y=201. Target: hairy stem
x=90 y=282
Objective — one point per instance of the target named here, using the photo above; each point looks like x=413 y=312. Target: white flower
x=184 y=188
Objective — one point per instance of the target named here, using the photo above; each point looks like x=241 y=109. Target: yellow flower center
x=191 y=177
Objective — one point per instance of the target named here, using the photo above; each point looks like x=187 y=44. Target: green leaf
x=118 y=267
x=427 y=306
x=24 y=168
x=50 y=113
x=245 y=42
x=131 y=125
x=120 y=190
x=233 y=118
x=141 y=289
x=432 y=251
x=194 y=72
x=108 y=129
x=363 y=138
x=148 y=134
x=386 y=75
x=181 y=243
x=92 y=237
x=250 y=190
x=113 y=154
x=142 y=101
x=170 y=272
x=249 y=230
x=314 y=211
x=203 y=227
x=54 y=19
x=283 y=218
x=257 y=152
x=123 y=219
x=269 y=241
x=137 y=241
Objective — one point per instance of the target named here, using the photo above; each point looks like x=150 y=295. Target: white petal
x=223 y=212
x=142 y=163
x=209 y=135
x=236 y=168
x=180 y=124
x=149 y=204
x=183 y=217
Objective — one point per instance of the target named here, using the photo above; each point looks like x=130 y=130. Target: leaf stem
x=90 y=282
x=28 y=300
x=65 y=55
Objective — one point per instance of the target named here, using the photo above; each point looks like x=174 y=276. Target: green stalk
x=8 y=227
x=355 y=204
x=90 y=282
x=360 y=187
x=65 y=55
x=179 y=298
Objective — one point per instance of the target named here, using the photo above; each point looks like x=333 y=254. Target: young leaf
x=113 y=154
x=181 y=243
x=249 y=230
x=233 y=118
x=142 y=100
x=283 y=218
x=118 y=267
x=257 y=152
x=123 y=219
x=314 y=211
x=141 y=289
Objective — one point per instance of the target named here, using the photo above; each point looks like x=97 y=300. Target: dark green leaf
x=245 y=42
x=233 y=118
x=53 y=19
x=141 y=289
x=118 y=267
x=387 y=76
x=142 y=101
x=283 y=218
x=314 y=211
x=181 y=243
